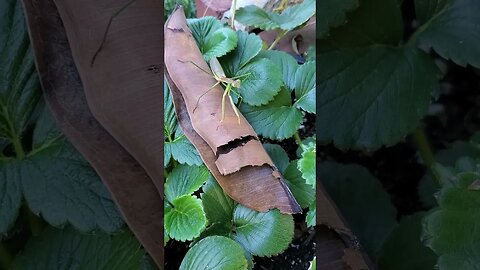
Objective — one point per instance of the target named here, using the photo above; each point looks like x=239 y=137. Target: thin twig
x=108 y=29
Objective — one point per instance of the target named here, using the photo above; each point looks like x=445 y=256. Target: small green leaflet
x=213 y=38
x=69 y=249
x=10 y=195
x=331 y=13
x=176 y=145
x=262 y=234
x=452 y=230
x=312 y=215
x=184 y=215
x=218 y=206
x=278 y=156
x=185 y=219
x=303 y=191
x=307 y=164
x=454 y=31
x=289 y=19
x=184 y=180
x=215 y=253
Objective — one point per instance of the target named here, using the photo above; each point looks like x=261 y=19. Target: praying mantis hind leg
x=193 y=63
x=223 y=102
x=209 y=89
x=234 y=108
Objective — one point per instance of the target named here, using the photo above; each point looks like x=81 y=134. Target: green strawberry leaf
x=307 y=164
x=217 y=205
x=252 y=15
x=19 y=87
x=303 y=192
x=454 y=30
x=403 y=249
x=278 y=156
x=261 y=81
x=264 y=119
x=452 y=230
x=170 y=120
x=312 y=215
x=61 y=186
x=305 y=87
x=426 y=9
x=332 y=13
x=249 y=45
x=356 y=84
x=68 y=249
x=183 y=151
x=46 y=130
x=296 y=15
x=219 y=43
x=311 y=54
x=289 y=19
x=215 y=253
x=184 y=180
x=10 y=195
x=354 y=189
x=288 y=65
x=306 y=141
x=185 y=219
x=313 y=264
x=374 y=22
x=448 y=158
x=262 y=234
x=213 y=38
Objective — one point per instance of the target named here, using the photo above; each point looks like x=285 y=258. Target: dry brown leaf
x=247 y=174
x=132 y=189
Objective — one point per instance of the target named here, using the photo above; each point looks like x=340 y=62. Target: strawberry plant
x=383 y=68
x=55 y=212
x=276 y=95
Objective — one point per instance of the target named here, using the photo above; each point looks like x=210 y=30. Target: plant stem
x=426 y=152
x=35 y=222
x=299 y=141
x=15 y=138
x=5 y=257
x=234 y=9
x=280 y=35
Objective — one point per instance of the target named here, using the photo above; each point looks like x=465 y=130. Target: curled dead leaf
x=230 y=149
x=131 y=187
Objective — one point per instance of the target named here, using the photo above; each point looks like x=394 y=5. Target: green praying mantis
x=230 y=85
